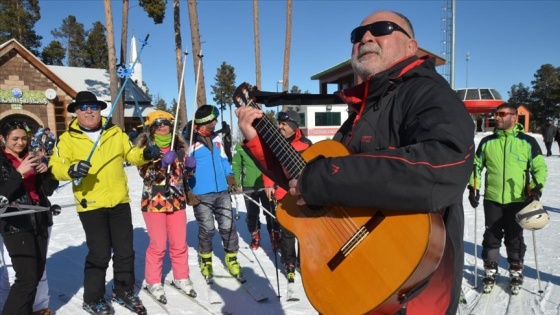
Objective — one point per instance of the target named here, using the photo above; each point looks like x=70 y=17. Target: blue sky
x=508 y=41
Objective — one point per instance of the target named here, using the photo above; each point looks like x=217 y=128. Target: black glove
x=79 y=169
x=232 y=183
x=536 y=192
x=474 y=196
x=151 y=152
x=55 y=210
x=192 y=200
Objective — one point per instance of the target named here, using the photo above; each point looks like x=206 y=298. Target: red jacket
x=298 y=141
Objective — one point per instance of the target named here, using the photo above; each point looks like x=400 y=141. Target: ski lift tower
x=448 y=41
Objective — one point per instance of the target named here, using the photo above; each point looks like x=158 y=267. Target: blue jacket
x=212 y=165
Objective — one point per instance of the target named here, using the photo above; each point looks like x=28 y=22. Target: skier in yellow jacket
x=102 y=195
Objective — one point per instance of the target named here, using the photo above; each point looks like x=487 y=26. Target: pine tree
x=53 y=54
x=75 y=36
x=95 y=55
x=18 y=18
x=224 y=88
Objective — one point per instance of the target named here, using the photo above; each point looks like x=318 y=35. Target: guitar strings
x=341 y=227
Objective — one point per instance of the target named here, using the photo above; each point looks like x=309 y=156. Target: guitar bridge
x=355 y=240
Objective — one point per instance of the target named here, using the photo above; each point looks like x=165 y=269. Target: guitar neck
x=282 y=149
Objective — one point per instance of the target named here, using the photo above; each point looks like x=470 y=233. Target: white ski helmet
x=533 y=216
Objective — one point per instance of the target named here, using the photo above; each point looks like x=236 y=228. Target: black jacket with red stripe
x=412 y=147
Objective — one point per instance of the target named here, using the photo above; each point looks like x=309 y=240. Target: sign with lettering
x=16 y=96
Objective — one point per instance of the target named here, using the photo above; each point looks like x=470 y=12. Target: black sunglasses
x=15 y=124
x=161 y=122
x=282 y=117
x=376 y=29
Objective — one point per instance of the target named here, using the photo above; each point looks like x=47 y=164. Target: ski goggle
x=16 y=124
x=283 y=117
x=84 y=107
x=214 y=115
x=161 y=122
x=376 y=29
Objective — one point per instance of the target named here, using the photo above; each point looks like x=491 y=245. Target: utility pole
x=467 y=79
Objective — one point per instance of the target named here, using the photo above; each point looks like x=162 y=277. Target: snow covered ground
x=68 y=249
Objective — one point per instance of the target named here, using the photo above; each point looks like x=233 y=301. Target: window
x=461 y=94
x=485 y=94
x=301 y=119
x=327 y=119
x=472 y=94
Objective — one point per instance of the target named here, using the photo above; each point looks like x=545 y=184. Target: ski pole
x=127 y=74
x=195 y=95
x=536 y=262
x=260 y=206
x=475 y=242
x=28 y=209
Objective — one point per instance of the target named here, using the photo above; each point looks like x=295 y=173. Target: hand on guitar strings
x=294 y=191
x=245 y=118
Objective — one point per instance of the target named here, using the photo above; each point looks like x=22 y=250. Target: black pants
x=500 y=224
x=548 y=146
x=108 y=229
x=253 y=212
x=29 y=255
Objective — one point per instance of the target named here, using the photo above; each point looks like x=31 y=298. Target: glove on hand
x=79 y=169
x=536 y=192
x=192 y=200
x=474 y=196
x=232 y=183
x=55 y=210
x=168 y=159
x=151 y=152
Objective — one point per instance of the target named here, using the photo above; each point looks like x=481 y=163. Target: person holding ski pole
x=106 y=220
x=250 y=178
x=211 y=184
x=163 y=203
x=288 y=126
x=507 y=155
x=410 y=151
x=25 y=180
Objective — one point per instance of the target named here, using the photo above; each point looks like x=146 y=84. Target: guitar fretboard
x=286 y=154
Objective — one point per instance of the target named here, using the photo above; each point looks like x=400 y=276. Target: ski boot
x=490 y=275
x=255 y=239
x=98 y=307
x=233 y=265
x=516 y=277
x=156 y=290
x=185 y=285
x=275 y=240
x=205 y=262
x=130 y=300
x=290 y=272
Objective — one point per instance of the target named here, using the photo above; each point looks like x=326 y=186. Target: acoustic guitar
x=352 y=260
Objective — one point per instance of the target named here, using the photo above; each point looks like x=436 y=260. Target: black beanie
x=205 y=114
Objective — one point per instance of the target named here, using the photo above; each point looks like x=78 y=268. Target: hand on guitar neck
x=246 y=116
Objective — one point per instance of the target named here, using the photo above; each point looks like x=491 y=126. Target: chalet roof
x=97 y=81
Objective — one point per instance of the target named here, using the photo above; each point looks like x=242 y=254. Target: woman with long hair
x=26 y=180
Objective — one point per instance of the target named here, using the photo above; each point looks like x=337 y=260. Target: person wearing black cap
x=211 y=183
x=104 y=203
x=288 y=125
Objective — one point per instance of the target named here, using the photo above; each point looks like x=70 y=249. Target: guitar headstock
x=241 y=96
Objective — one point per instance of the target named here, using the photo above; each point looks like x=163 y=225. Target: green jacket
x=247 y=174
x=507 y=155
x=106 y=184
